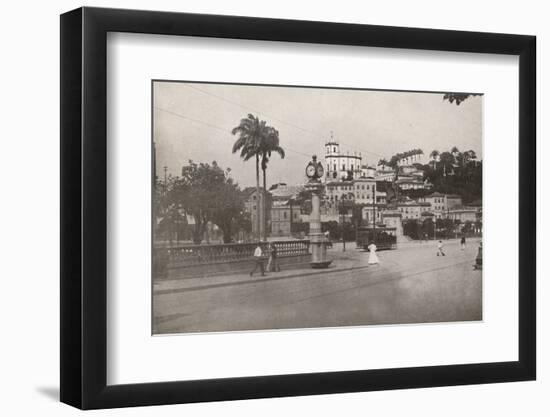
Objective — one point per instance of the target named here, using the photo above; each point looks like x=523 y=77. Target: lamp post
x=343 y=217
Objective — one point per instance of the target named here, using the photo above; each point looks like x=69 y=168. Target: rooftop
x=438 y=194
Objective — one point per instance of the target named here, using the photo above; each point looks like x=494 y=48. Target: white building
x=338 y=164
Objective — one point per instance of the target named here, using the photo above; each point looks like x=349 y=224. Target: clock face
x=320 y=171
x=310 y=171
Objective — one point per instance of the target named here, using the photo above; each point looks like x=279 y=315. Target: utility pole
x=374 y=213
x=342 y=211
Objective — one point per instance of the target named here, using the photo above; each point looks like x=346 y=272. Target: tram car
x=382 y=237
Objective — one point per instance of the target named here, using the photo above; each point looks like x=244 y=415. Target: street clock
x=311 y=170
x=314 y=169
x=320 y=170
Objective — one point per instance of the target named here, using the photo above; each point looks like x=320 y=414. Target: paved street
x=411 y=285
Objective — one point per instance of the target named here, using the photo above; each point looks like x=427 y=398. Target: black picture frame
x=84 y=207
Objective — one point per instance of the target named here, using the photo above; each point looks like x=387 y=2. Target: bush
x=412 y=229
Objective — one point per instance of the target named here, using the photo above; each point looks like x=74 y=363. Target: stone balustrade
x=191 y=255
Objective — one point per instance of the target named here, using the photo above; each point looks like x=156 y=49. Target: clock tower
x=318 y=241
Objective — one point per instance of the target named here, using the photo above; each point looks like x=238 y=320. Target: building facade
x=338 y=164
x=411 y=209
x=463 y=214
x=440 y=203
x=252 y=205
x=284 y=213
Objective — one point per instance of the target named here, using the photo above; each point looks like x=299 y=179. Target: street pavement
x=410 y=285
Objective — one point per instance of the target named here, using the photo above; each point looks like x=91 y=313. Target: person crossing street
x=440 y=248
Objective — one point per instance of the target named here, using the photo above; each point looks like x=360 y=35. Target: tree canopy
x=208 y=194
x=458 y=98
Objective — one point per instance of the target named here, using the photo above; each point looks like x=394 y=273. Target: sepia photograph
x=292 y=207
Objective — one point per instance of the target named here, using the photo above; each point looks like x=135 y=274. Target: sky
x=193 y=121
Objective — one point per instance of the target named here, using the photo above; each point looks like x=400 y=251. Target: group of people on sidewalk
x=272 y=262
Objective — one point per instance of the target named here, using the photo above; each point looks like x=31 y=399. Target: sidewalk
x=351 y=259
x=341 y=261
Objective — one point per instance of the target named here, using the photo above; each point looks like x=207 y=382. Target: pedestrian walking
x=440 y=248
x=258 y=261
x=373 y=258
x=463 y=243
x=272 y=263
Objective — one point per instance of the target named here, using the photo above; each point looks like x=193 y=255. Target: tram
x=382 y=237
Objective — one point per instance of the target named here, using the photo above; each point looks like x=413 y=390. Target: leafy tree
x=412 y=228
x=468 y=227
x=301 y=228
x=165 y=213
x=229 y=212
x=333 y=228
x=304 y=200
x=457 y=97
x=208 y=193
x=447 y=162
x=427 y=228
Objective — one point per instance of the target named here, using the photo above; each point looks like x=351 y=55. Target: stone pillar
x=317 y=239
x=315 y=218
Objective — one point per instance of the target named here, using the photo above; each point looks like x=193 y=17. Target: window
x=334 y=150
x=284 y=214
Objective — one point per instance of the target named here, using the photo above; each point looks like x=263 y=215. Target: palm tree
x=456 y=154
x=383 y=163
x=447 y=160
x=434 y=154
x=257 y=140
x=269 y=143
x=251 y=132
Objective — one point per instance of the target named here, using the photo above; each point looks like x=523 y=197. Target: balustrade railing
x=188 y=255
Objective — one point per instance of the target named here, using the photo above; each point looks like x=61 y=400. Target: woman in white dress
x=373 y=258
